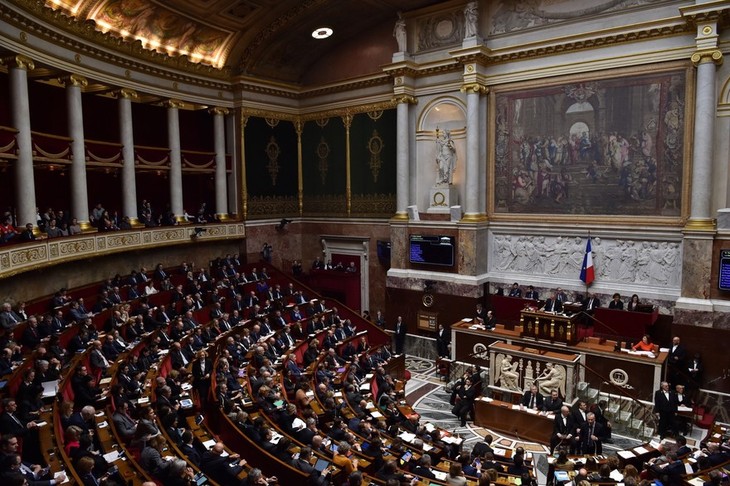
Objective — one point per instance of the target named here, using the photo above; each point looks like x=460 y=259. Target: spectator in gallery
x=52 y=230
x=27 y=234
x=616 y=303
x=515 y=291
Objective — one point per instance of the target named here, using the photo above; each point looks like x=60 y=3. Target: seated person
x=515 y=291
x=616 y=302
x=553 y=304
x=633 y=304
x=644 y=345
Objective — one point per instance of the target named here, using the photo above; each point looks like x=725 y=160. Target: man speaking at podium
x=553 y=304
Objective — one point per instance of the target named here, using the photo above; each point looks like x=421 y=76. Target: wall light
x=322 y=33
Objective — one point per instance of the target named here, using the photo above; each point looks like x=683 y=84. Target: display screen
x=724 y=279
x=432 y=250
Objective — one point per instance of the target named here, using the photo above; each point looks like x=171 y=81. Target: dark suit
x=616 y=304
x=536 y=402
x=400 y=337
x=564 y=426
x=586 y=444
x=443 y=339
x=666 y=406
x=676 y=364
x=553 y=305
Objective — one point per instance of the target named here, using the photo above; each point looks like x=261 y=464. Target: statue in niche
x=445 y=157
x=506 y=373
x=471 y=16
x=399 y=32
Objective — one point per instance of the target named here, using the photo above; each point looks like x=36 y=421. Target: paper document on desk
x=640 y=450
x=440 y=475
x=467 y=319
x=208 y=444
x=58 y=473
x=626 y=454
x=616 y=474
x=407 y=436
x=499 y=452
x=112 y=456
x=50 y=388
x=682 y=408
x=688 y=468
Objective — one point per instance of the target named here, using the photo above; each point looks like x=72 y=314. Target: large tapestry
x=611 y=146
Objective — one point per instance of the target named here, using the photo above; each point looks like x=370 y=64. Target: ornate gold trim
x=411 y=100
x=244 y=187
x=173 y=103
x=701 y=224
x=219 y=110
x=400 y=216
x=473 y=218
x=474 y=88
x=74 y=80
x=19 y=61
x=714 y=55
x=126 y=93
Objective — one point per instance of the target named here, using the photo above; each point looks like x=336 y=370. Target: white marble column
x=219 y=143
x=173 y=142
x=18 y=68
x=402 y=153
x=126 y=136
x=75 y=114
x=700 y=215
x=473 y=136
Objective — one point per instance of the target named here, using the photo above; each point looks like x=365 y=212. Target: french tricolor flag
x=587 y=274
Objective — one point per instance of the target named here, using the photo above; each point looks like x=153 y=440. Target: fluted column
x=126 y=136
x=402 y=152
x=700 y=216
x=75 y=114
x=18 y=68
x=173 y=142
x=473 y=161
x=219 y=143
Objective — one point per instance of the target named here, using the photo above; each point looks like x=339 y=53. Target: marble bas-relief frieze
x=509 y=16
x=652 y=263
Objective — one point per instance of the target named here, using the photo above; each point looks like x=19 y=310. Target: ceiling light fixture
x=322 y=33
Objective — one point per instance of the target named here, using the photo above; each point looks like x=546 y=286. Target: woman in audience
x=562 y=463
x=71 y=439
x=66 y=410
x=146 y=427
x=456 y=475
x=180 y=474
x=151 y=458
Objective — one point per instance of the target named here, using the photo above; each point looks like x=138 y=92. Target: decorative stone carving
x=651 y=263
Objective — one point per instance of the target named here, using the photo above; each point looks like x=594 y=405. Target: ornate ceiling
x=267 y=38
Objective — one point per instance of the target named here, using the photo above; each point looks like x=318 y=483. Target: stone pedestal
x=442 y=197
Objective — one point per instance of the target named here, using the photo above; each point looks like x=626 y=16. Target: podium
x=548 y=326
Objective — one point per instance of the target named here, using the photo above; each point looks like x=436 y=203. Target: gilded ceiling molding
x=474 y=88
x=219 y=110
x=70 y=25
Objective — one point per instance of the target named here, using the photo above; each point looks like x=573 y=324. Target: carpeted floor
x=426 y=392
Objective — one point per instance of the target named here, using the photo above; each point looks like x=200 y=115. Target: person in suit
x=515 y=291
x=532 y=398
x=443 y=340
x=563 y=430
x=598 y=410
x=126 y=425
x=665 y=405
x=481 y=448
x=616 y=302
x=400 y=335
x=683 y=450
x=467 y=394
x=591 y=303
x=590 y=436
x=553 y=403
x=8 y=318
x=202 y=369
x=677 y=362
x=553 y=304
x=670 y=474
x=532 y=293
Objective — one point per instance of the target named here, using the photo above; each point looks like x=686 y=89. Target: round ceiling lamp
x=322 y=33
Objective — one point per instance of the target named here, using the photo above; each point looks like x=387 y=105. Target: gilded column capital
x=700 y=225
x=19 y=61
x=173 y=103
x=74 y=80
x=299 y=127
x=408 y=99
x=347 y=120
x=127 y=93
x=219 y=110
x=710 y=55
x=474 y=88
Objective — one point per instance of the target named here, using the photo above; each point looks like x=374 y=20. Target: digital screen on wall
x=724 y=279
x=432 y=250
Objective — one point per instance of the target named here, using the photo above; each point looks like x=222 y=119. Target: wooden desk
x=500 y=416
x=549 y=327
